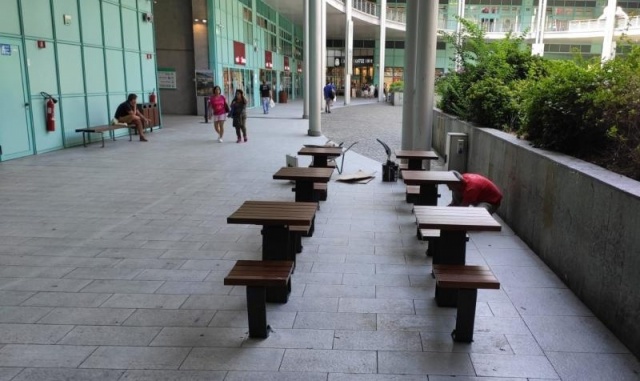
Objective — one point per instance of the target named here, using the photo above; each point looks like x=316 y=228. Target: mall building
x=89 y=54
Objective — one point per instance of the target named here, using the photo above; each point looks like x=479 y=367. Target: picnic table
x=415 y=158
x=428 y=182
x=453 y=223
x=321 y=155
x=275 y=218
x=304 y=178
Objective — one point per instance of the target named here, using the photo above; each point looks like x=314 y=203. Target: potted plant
x=396 y=91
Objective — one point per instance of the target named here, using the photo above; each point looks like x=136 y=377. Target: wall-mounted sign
x=363 y=61
x=299 y=67
x=5 y=49
x=286 y=64
x=268 y=59
x=204 y=82
x=167 y=78
x=239 y=53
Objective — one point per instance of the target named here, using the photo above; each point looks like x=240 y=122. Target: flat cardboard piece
x=360 y=177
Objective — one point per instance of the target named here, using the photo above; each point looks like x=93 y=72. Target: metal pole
x=305 y=52
x=348 y=51
x=383 y=46
x=315 y=67
x=409 y=74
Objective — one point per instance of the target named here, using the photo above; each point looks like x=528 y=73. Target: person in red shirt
x=476 y=190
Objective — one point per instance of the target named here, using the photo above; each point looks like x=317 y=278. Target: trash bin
x=390 y=172
x=282 y=97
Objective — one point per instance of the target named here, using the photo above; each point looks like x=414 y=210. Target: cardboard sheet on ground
x=360 y=177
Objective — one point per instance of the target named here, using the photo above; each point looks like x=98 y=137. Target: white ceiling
x=294 y=11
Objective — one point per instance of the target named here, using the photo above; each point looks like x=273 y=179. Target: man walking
x=265 y=94
x=329 y=93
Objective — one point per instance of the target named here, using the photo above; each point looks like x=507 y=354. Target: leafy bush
x=397 y=87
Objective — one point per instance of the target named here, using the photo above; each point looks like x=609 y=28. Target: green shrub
x=397 y=87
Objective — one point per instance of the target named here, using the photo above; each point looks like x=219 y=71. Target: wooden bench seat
x=295 y=238
x=266 y=281
x=86 y=132
x=431 y=236
x=467 y=280
x=320 y=190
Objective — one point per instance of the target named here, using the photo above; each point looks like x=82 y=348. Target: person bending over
x=128 y=113
x=475 y=190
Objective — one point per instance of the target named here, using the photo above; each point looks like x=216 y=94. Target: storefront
x=363 y=71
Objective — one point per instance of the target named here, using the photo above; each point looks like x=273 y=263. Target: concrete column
x=608 y=45
x=323 y=45
x=383 y=45
x=460 y=12
x=348 y=50
x=425 y=74
x=305 y=69
x=315 y=66
x=410 y=48
x=537 y=49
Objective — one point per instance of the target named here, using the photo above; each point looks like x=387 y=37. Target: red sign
x=268 y=59
x=239 y=54
x=299 y=67
x=286 y=64
x=42 y=44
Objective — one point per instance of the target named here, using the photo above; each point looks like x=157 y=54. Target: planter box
x=397 y=98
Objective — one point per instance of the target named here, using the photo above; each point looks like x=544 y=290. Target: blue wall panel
x=73 y=119
x=146 y=36
x=71 y=75
x=134 y=78
x=115 y=71
x=149 y=75
x=129 y=3
x=70 y=32
x=42 y=68
x=9 y=20
x=94 y=68
x=144 y=5
x=130 y=29
x=98 y=110
x=91 y=22
x=111 y=23
x=37 y=18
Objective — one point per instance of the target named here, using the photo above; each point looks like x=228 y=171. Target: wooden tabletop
x=414 y=154
x=274 y=213
x=455 y=218
x=428 y=177
x=324 y=151
x=304 y=174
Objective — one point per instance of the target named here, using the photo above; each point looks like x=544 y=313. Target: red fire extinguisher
x=152 y=96
x=51 y=119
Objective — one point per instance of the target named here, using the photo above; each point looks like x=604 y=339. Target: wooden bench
x=266 y=281
x=431 y=236
x=320 y=190
x=467 y=280
x=295 y=238
x=412 y=194
x=86 y=132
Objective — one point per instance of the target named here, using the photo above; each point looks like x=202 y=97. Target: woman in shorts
x=220 y=108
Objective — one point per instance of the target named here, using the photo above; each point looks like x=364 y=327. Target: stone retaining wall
x=582 y=220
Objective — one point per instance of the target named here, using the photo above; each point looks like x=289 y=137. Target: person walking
x=239 y=115
x=220 y=107
x=329 y=93
x=265 y=94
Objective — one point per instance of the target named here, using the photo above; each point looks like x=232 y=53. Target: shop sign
x=268 y=59
x=5 y=49
x=239 y=53
x=363 y=61
x=286 y=64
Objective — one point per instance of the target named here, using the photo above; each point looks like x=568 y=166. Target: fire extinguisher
x=152 y=96
x=49 y=108
x=51 y=118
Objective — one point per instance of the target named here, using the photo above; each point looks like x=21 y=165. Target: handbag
x=272 y=104
x=227 y=109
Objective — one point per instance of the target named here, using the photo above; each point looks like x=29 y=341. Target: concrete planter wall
x=582 y=220
x=397 y=98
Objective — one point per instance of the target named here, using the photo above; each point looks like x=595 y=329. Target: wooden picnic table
x=453 y=223
x=275 y=218
x=428 y=182
x=415 y=158
x=304 y=178
x=321 y=155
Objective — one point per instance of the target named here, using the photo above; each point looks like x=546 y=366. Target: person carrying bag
x=238 y=111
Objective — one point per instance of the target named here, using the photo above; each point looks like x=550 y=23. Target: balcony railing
x=366 y=6
x=596 y=25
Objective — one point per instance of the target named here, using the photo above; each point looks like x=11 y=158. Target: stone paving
x=112 y=260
